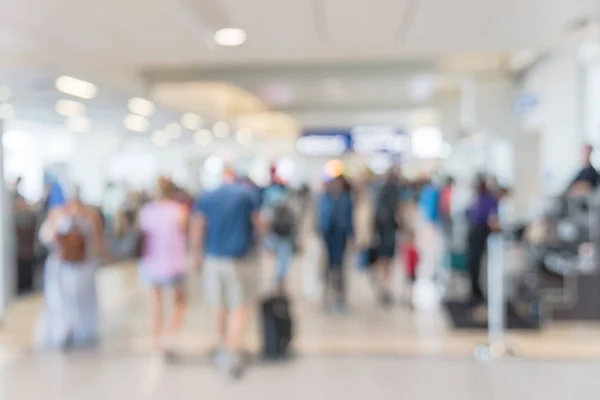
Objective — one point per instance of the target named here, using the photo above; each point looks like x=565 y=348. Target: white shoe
x=220 y=358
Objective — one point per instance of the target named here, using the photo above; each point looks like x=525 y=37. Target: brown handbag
x=72 y=245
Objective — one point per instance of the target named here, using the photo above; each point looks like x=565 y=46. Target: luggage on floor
x=277 y=327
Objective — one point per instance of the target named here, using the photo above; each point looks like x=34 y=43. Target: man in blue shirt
x=223 y=230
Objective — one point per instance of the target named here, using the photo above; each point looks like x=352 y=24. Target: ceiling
x=324 y=62
x=134 y=33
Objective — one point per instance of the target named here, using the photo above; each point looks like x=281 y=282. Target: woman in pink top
x=163 y=223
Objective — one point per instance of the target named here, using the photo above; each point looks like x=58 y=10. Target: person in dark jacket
x=25 y=230
x=587 y=179
x=483 y=219
x=335 y=222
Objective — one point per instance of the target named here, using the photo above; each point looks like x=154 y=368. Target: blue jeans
x=283 y=249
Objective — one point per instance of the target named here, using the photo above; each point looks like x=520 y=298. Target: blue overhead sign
x=525 y=103
x=361 y=139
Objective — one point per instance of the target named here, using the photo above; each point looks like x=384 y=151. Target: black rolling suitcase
x=277 y=327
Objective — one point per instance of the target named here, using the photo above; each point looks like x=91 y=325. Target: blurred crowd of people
x=369 y=221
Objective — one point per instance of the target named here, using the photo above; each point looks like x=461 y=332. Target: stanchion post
x=496 y=346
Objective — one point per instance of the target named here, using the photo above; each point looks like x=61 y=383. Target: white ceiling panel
x=142 y=30
x=281 y=25
x=156 y=32
x=11 y=41
x=372 y=22
x=53 y=25
x=490 y=26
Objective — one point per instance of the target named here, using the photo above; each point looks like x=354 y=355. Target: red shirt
x=411 y=259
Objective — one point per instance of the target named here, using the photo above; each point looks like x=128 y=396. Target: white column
x=468 y=103
x=7 y=272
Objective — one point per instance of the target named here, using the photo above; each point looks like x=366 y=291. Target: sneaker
x=386 y=300
x=235 y=367
x=170 y=356
x=157 y=359
x=220 y=358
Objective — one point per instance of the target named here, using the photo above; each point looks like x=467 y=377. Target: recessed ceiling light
x=173 y=130
x=136 y=123
x=79 y=123
x=203 y=137
x=69 y=108
x=221 y=129
x=76 y=87
x=161 y=138
x=230 y=37
x=7 y=111
x=140 y=106
x=4 y=93
x=244 y=136
x=191 y=121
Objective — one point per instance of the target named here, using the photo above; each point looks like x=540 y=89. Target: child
x=411 y=262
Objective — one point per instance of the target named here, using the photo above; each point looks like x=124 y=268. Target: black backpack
x=283 y=221
x=387 y=207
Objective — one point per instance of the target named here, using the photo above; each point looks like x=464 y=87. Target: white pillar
x=468 y=103
x=7 y=272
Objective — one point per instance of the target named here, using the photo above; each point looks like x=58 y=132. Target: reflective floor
x=352 y=377
x=368 y=352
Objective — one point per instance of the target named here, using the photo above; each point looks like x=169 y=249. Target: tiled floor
x=370 y=352
x=91 y=377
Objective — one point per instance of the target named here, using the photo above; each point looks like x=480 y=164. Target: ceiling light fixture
x=203 y=137
x=191 y=121
x=69 y=108
x=230 y=37
x=173 y=130
x=221 y=130
x=76 y=87
x=79 y=124
x=136 y=123
x=7 y=111
x=140 y=106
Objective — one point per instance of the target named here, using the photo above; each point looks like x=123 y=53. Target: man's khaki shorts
x=230 y=282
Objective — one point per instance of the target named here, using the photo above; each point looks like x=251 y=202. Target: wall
x=493 y=129
x=592 y=103
x=556 y=82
